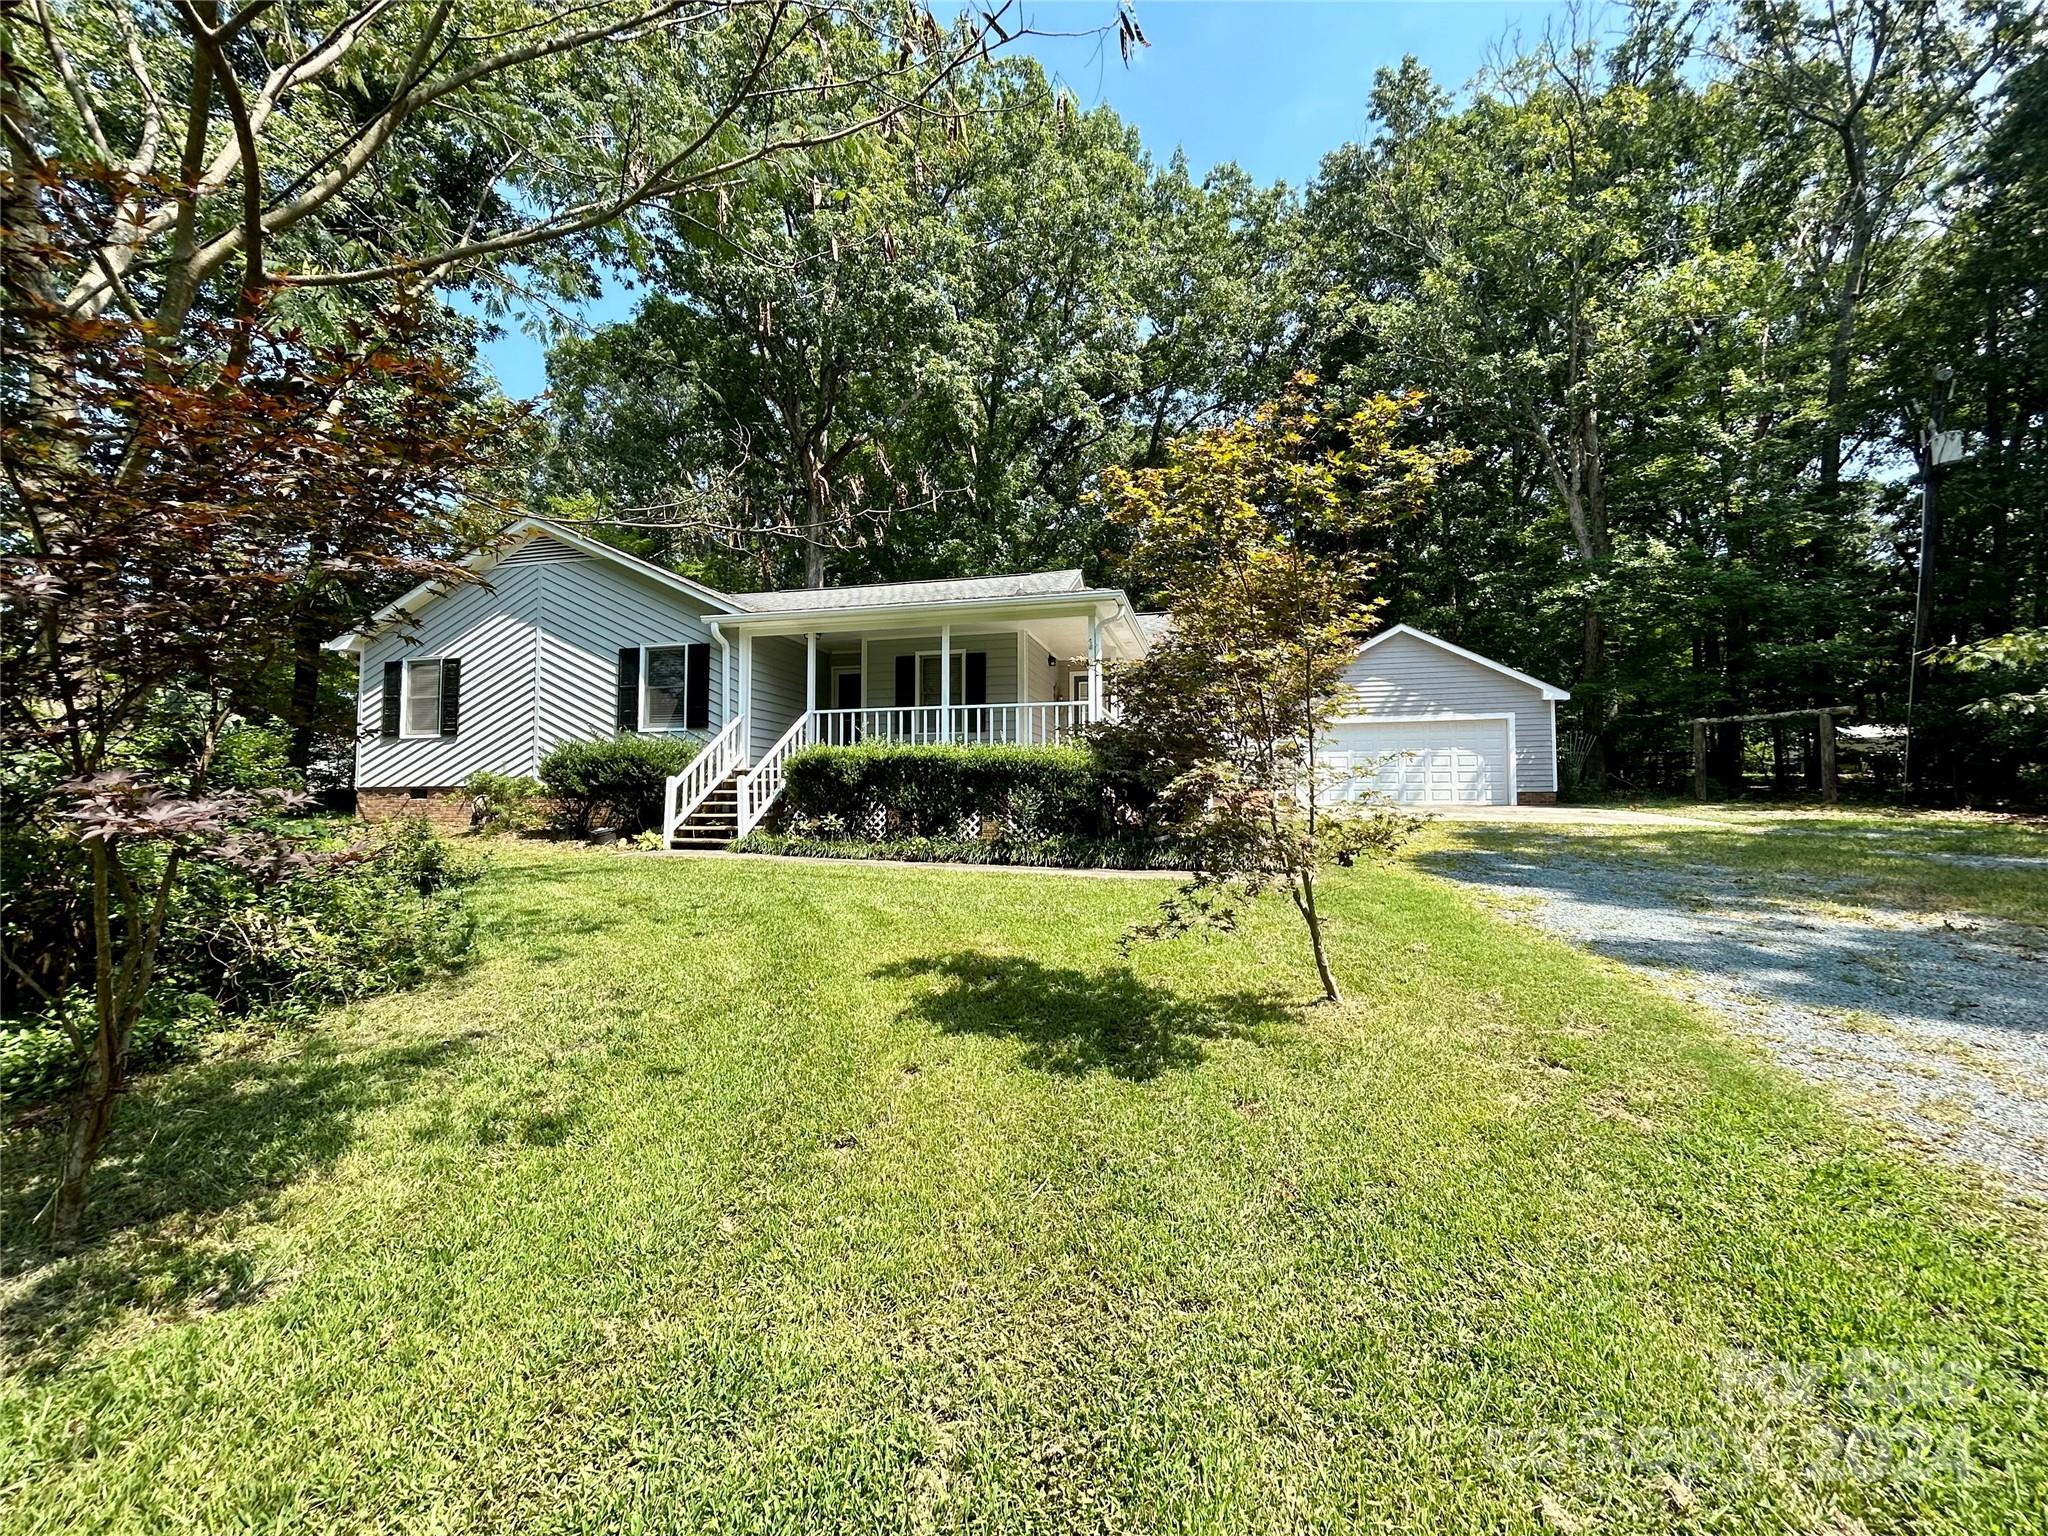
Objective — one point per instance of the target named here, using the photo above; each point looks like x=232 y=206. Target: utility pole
x=1937 y=448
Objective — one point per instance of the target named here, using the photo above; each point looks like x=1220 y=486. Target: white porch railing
x=1008 y=725
x=708 y=769
x=759 y=788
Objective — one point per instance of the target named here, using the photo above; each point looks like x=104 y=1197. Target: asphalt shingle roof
x=888 y=594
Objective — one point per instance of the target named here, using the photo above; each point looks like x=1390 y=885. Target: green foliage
x=505 y=802
x=913 y=353
x=618 y=781
x=39 y=1054
x=1680 y=296
x=949 y=793
x=233 y=948
x=2020 y=656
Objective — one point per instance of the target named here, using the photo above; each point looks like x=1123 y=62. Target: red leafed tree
x=166 y=513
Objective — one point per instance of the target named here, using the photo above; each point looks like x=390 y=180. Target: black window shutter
x=977 y=678
x=906 y=681
x=394 y=685
x=626 y=715
x=697 y=689
x=451 y=695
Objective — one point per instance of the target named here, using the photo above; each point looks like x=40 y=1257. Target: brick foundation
x=1536 y=797
x=445 y=810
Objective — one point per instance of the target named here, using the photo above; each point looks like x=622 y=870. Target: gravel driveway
x=1940 y=1023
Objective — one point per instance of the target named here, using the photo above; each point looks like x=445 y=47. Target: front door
x=846 y=690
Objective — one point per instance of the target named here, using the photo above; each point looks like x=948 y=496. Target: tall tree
x=322 y=144
x=921 y=374
x=1883 y=99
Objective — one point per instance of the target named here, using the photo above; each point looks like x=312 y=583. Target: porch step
x=714 y=823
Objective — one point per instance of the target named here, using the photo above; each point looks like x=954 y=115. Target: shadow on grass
x=1073 y=1021
x=189 y=1145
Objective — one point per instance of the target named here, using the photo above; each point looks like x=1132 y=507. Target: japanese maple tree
x=1249 y=532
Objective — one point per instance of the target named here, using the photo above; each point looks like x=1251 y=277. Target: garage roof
x=1548 y=690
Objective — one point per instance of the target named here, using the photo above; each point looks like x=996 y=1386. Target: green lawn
x=746 y=1196
x=1914 y=861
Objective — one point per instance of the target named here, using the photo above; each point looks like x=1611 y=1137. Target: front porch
x=1020 y=674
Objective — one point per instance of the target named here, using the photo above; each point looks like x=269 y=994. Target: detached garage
x=1436 y=724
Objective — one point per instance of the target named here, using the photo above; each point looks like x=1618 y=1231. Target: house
x=564 y=638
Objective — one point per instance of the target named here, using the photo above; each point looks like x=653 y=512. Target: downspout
x=725 y=671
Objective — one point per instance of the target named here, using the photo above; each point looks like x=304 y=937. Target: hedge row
x=895 y=793
x=1046 y=852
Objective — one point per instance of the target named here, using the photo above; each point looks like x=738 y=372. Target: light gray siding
x=1406 y=675
x=538 y=648
x=1041 y=681
x=1002 y=666
x=778 y=691
x=592 y=608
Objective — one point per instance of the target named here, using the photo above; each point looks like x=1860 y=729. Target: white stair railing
x=759 y=789
x=707 y=770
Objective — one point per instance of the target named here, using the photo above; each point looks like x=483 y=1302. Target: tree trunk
x=1848 y=305
x=302 y=710
x=1305 y=900
x=92 y=1117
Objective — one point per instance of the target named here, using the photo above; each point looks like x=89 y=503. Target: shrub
x=38 y=1058
x=344 y=933
x=949 y=793
x=618 y=782
x=504 y=802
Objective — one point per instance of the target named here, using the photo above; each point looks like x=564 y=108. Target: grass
x=1912 y=861
x=746 y=1196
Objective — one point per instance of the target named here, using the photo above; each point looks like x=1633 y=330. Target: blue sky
x=1271 y=84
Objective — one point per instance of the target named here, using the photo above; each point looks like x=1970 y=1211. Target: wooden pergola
x=1823 y=720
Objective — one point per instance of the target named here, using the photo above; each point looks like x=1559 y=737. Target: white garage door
x=1424 y=762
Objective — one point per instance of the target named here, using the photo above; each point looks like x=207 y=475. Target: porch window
x=665 y=674
x=928 y=677
x=422 y=698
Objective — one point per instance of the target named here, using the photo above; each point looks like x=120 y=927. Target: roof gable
x=531 y=540
x=1548 y=690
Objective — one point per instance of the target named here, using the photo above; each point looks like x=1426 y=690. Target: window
x=1077 y=687
x=928 y=677
x=422 y=698
x=664 y=675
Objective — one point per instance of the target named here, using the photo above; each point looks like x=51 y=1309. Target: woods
x=1677 y=279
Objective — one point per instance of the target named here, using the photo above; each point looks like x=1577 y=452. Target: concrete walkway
x=1579 y=816
x=955 y=865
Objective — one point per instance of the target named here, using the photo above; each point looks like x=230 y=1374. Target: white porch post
x=747 y=696
x=811 y=673
x=1094 y=667
x=945 y=682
